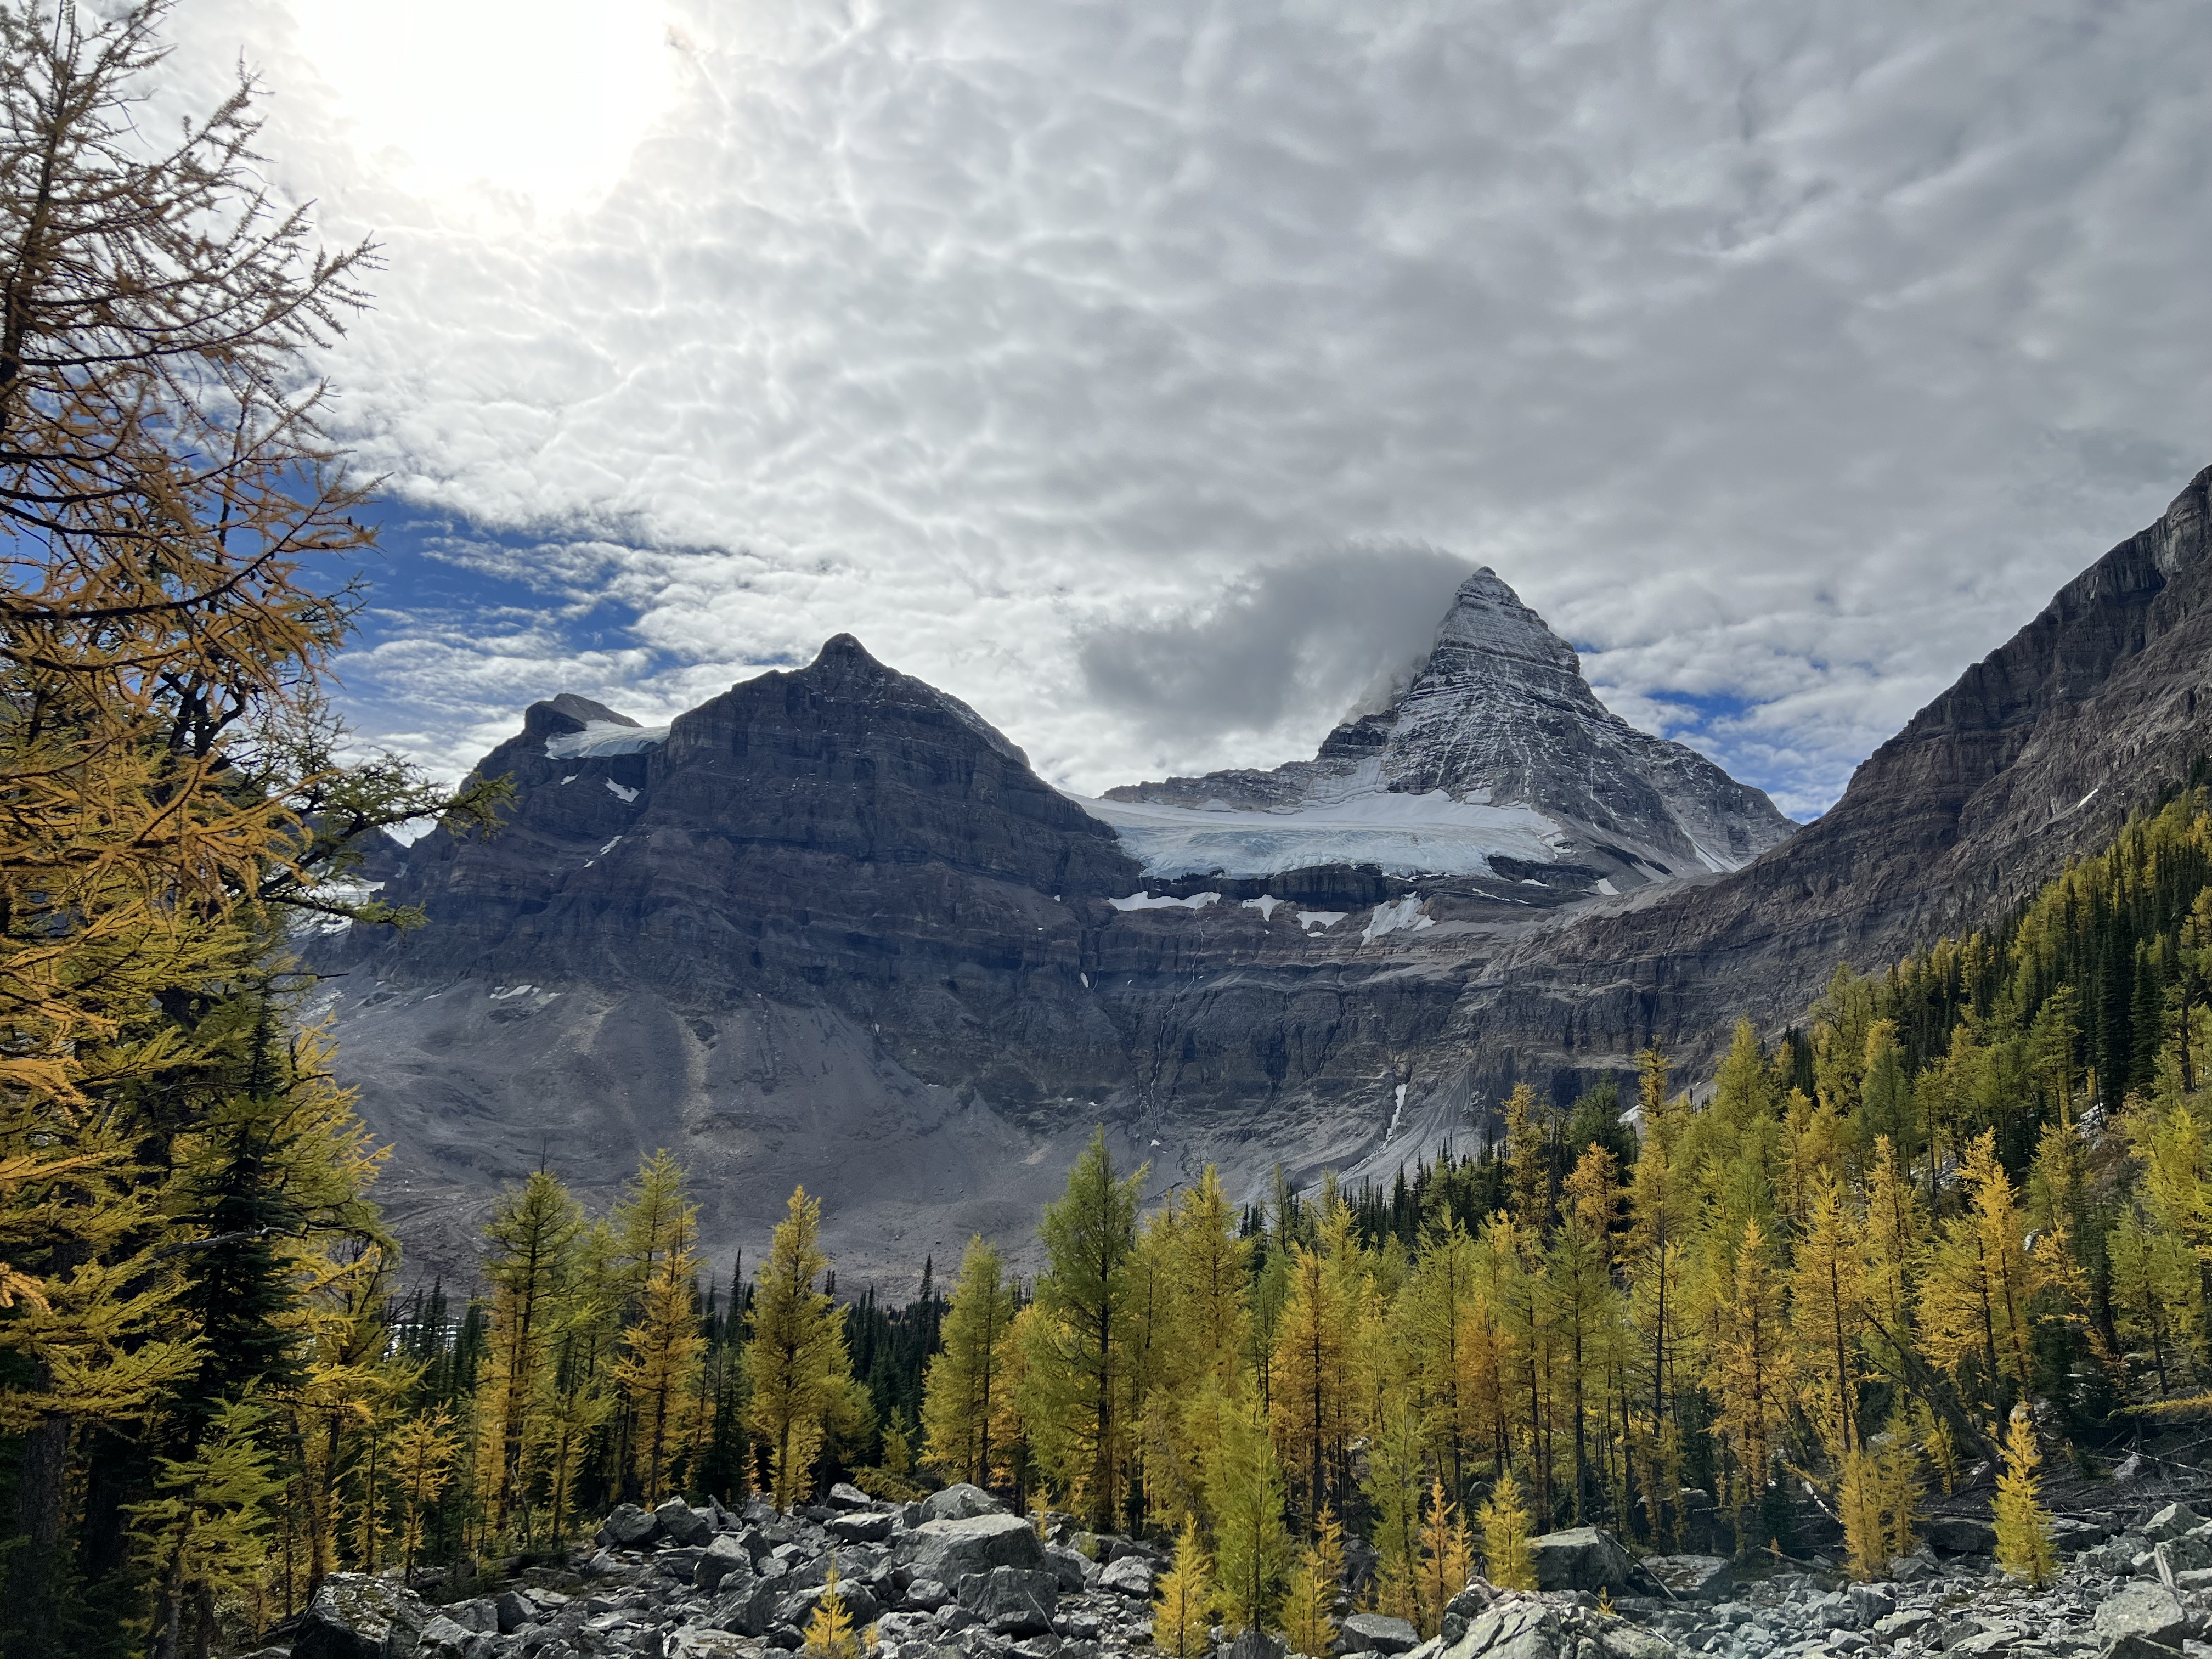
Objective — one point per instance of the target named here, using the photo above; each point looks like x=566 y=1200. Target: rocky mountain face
x=1497 y=748
x=830 y=929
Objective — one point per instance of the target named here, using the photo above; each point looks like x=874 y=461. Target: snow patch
x=1310 y=919
x=1148 y=902
x=503 y=994
x=599 y=738
x=627 y=795
x=1265 y=904
x=571 y=778
x=1396 y=1112
x=1605 y=886
x=1357 y=824
x=610 y=847
x=1399 y=916
x=1086 y=978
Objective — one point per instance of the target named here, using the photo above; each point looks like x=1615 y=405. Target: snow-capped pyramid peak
x=1496 y=746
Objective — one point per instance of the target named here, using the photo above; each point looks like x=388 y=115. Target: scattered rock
x=679 y=1520
x=1581 y=1558
x=1130 y=1576
x=949 y=1550
x=859 y=1527
x=1379 y=1632
x=1697 y=1577
x=628 y=1528
x=2170 y=1523
x=1960 y=1534
x=2147 y=1610
x=845 y=1496
x=961 y=1502
x=357 y=1616
x=1011 y=1600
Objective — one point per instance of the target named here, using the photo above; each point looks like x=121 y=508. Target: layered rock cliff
x=829 y=927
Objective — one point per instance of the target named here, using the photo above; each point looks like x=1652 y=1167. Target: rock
x=1871 y=1604
x=2170 y=1523
x=2135 y=1646
x=1960 y=1534
x=628 y=1528
x=678 y=1521
x=2146 y=1610
x=1693 y=1577
x=960 y=1502
x=798 y=1606
x=1011 y=1600
x=1255 y=1644
x=724 y=1554
x=1518 y=1628
x=2071 y=1536
x=1908 y=1621
x=1379 y=1631
x=2128 y=1468
x=355 y=1616
x=514 y=1613
x=863 y=1526
x=444 y=1638
x=1074 y=1571
x=697 y=1642
x=751 y=1608
x=948 y=1550
x=1130 y=1576
x=926 y=1596
x=845 y=1496
x=1581 y=1558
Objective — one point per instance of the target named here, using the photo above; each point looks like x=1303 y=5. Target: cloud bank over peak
x=1123 y=368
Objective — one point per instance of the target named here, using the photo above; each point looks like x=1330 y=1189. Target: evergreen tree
x=1079 y=1363
x=1182 y=1607
x=1244 y=1491
x=529 y=1263
x=659 y=1365
x=801 y=1375
x=957 y=1402
x=2024 y=1548
x=1507 y=1554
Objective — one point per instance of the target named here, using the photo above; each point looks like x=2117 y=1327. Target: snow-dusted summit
x=1497 y=754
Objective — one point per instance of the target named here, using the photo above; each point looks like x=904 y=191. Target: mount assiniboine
x=829 y=927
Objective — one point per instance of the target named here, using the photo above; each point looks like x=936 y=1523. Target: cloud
x=1786 y=359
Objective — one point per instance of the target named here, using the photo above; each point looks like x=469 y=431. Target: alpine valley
x=829 y=927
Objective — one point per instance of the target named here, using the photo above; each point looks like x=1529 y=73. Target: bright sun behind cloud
x=545 y=97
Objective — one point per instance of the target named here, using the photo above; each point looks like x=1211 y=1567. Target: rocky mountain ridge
x=830 y=929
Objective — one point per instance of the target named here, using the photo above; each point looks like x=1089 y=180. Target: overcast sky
x=1147 y=373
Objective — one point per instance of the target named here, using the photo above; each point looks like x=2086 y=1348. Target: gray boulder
x=355 y=1616
x=750 y=1609
x=678 y=1521
x=1872 y=1603
x=514 y=1612
x=1518 y=1628
x=1130 y=1576
x=443 y=1638
x=698 y=1642
x=860 y=1604
x=950 y=1550
x=2170 y=1523
x=1691 y=1577
x=628 y=1528
x=960 y=1502
x=1074 y=1570
x=859 y=1527
x=1960 y=1534
x=1013 y=1601
x=2146 y=1611
x=1255 y=1644
x=724 y=1555
x=845 y=1496
x=926 y=1596
x=1379 y=1632
x=1581 y=1558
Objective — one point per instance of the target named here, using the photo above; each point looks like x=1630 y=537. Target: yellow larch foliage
x=1509 y=1559
x=829 y=1633
x=1310 y=1607
x=1182 y=1610
x=2024 y=1546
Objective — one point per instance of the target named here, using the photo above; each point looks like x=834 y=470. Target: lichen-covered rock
x=1130 y=1576
x=1013 y=1601
x=2145 y=1610
x=1378 y=1632
x=355 y=1616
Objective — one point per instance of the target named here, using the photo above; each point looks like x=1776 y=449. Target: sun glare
x=543 y=97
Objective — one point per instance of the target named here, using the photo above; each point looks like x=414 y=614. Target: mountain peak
x=1499 y=736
